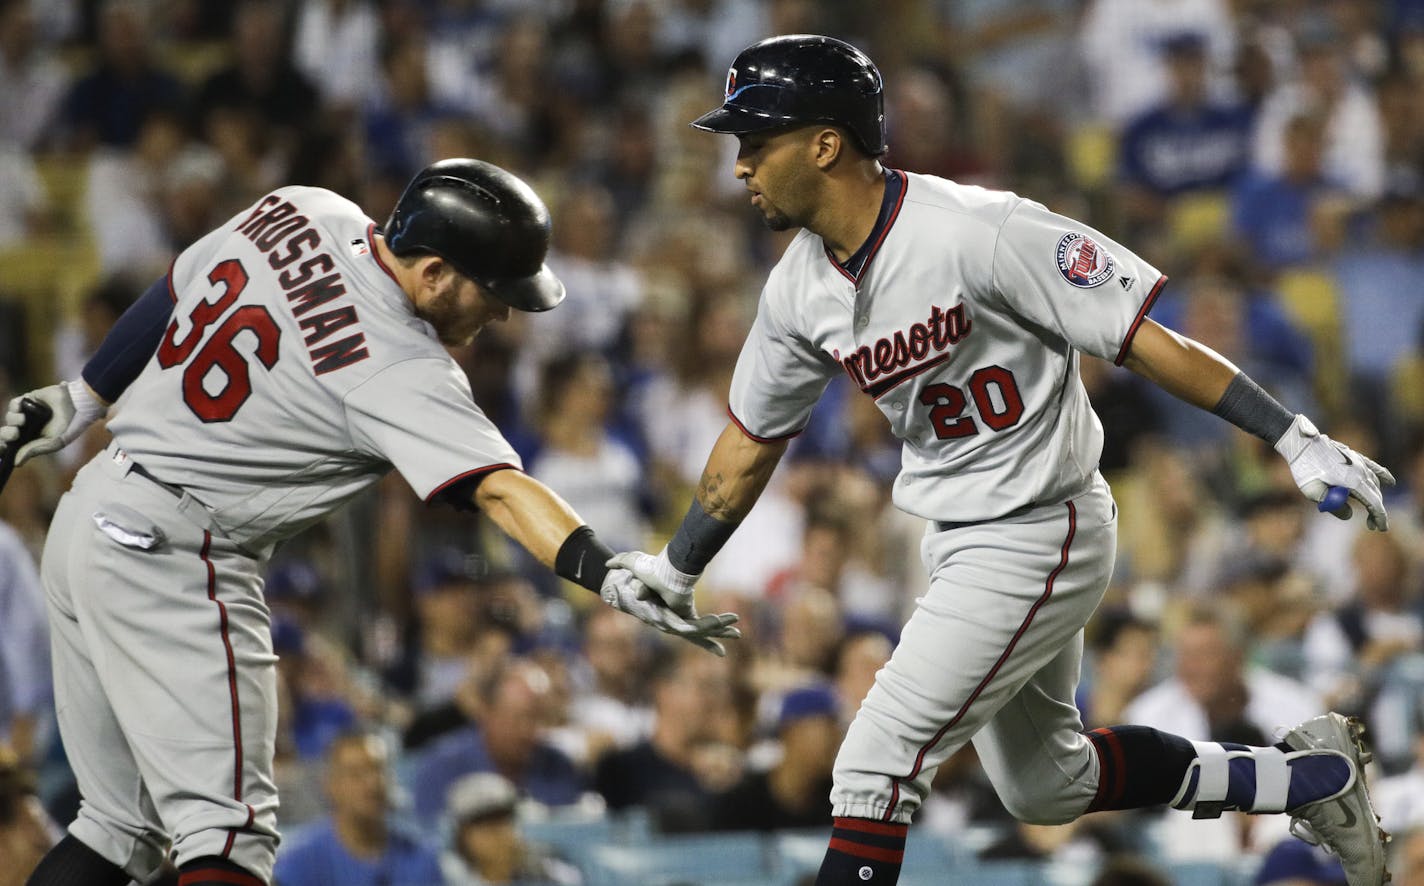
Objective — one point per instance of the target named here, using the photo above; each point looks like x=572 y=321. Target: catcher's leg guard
x=1235 y=777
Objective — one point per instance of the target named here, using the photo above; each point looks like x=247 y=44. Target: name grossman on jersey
x=276 y=223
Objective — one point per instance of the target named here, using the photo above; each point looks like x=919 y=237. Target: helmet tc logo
x=731 y=81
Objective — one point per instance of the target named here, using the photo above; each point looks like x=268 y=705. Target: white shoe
x=1344 y=823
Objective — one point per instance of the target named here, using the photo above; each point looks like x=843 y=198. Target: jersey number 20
x=947 y=403
x=220 y=351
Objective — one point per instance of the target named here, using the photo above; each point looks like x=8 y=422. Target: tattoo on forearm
x=710 y=496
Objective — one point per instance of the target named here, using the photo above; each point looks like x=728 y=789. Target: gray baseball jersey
x=294 y=374
x=963 y=316
x=964 y=324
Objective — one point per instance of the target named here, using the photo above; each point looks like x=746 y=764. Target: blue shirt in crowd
x=1273 y=213
x=1381 y=307
x=1172 y=150
x=315 y=857
x=550 y=777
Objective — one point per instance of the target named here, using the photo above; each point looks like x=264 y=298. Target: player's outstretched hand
x=670 y=583
x=623 y=591
x=1318 y=463
x=65 y=424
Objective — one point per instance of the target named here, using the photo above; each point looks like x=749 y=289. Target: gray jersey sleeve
x=779 y=376
x=419 y=415
x=1072 y=280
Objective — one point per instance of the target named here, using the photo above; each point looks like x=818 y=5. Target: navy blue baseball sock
x=71 y=863
x=1139 y=766
x=1145 y=767
x=863 y=851
x=212 y=870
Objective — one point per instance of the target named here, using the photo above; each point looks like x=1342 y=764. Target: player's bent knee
x=1041 y=807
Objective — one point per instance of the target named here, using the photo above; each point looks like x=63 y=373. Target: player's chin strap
x=1208 y=789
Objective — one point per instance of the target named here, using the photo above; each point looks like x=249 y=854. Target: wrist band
x=698 y=540
x=1246 y=405
x=583 y=559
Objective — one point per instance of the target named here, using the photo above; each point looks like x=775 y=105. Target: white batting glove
x=624 y=592
x=75 y=409
x=674 y=586
x=1317 y=463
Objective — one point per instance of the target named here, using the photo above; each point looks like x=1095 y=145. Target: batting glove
x=624 y=592
x=1317 y=463
x=75 y=408
x=670 y=583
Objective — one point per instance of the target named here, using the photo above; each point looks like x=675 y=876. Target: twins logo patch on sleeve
x=1083 y=262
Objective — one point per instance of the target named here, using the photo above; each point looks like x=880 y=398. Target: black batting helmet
x=802 y=78
x=486 y=222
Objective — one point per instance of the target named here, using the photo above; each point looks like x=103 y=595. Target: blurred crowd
x=438 y=688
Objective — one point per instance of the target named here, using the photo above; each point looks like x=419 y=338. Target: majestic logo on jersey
x=898 y=358
x=1083 y=262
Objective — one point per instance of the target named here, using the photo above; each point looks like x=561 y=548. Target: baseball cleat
x=1345 y=822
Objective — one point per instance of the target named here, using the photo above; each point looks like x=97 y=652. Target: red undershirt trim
x=1141 y=315
x=488 y=469
x=750 y=436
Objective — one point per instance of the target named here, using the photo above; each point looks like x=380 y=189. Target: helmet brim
x=735 y=120
x=538 y=292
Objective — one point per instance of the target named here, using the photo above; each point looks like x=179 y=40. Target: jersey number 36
x=220 y=352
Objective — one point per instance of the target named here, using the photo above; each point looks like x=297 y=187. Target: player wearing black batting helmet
x=486 y=222
x=802 y=78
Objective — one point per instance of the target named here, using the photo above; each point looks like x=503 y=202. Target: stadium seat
x=703 y=860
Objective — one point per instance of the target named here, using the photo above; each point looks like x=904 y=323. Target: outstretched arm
x=736 y=473
x=76 y=404
x=546 y=526
x=1198 y=375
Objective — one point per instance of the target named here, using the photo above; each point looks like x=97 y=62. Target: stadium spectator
x=448 y=610
x=609 y=707
x=1399 y=798
x=1191 y=141
x=690 y=692
x=336 y=48
x=1214 y=695
x=1351 y=141
x=109 y=105
x=860 y=656
x=795 y=792
x=26 y=688
x=26 y=832
x=486 y=846
x=1121 y=42
x=1285 y=217
x=1292 y=862
x=505 y=739
x=596 y=472
x=1123 y=655
x=358 y=844
x=32 y=80
x=402 y=116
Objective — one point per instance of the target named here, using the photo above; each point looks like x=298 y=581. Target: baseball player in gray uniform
x=962 y=311
x=288 y=360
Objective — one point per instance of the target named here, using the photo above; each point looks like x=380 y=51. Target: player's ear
x=432 y=269
x=827 y=144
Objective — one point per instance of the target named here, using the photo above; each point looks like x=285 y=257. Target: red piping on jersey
x=875 y=248
x=978 y=690
x=753 y=437
x=171 y=294
x=487 y=469
x=231 y=682
x=376 y=254
x=1141 y=315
